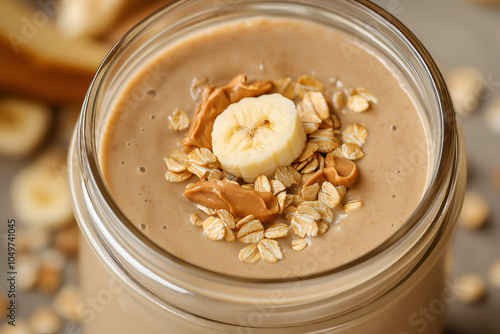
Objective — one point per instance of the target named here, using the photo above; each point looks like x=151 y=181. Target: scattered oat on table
x=494 y=274
x=471 y=288
x=475 y=211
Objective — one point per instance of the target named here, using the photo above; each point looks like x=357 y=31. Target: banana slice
x=41 y=196
x=257 y=135
x=23 y=126
x=89 y=17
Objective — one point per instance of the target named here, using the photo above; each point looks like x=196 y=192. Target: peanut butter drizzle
x=214 y=101
x=337 y=171
x=241 y=202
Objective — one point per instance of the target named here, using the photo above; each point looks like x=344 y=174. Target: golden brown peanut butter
x=340 y=171
x=241 y=202
x=337 y=171
x=214 y=102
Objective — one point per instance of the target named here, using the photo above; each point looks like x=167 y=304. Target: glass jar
x=130 y=285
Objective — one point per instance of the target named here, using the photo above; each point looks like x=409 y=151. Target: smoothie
x=393 y=173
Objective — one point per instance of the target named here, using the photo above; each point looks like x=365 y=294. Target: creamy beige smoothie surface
x=137 y=138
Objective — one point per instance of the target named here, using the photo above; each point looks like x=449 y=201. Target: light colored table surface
x=460 y=33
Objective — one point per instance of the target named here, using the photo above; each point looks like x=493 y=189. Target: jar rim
x=446 y=156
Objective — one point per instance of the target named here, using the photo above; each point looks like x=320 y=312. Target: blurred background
x=49 y=52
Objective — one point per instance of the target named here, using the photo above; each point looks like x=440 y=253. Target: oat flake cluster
x=305 y=200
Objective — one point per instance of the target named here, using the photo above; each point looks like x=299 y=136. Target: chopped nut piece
x=195 y=219
x=287 y=175
x=44 y=320
x=353 y=205
x=178 y=120
x=248 y=186
x=285 y=87
x=494 y=274
x=277 y=186
x=206 y=209
x=249 y=254
x=471 y=288
x=174 y=165
x=325 y=139
x=251 y=232
x=245 y=220
x=310 y=193
x=278 y=230
x=366 y=95
x=270 y=250
x=357 y=103
x=307 y=152
x=177 y=177
x=475 y=211
x=67 y=303
x=307 y=83
x=227 y=218
x=214 y=229
x=299 y=244
x=304 y=221
x=329 y=195
x=355 y=134
x=466 y=86
x=281 y=197
x=202 y=157
x=338 y=100
x=262 y=184
x=352 y=151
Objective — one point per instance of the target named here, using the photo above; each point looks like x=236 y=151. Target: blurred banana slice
x=89 y=17
x=23 y=126
x=40 y=194
x=38 y=61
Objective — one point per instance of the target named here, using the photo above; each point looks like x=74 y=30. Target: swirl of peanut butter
x=241 y=202
x=214 y=101
x=337 y=171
